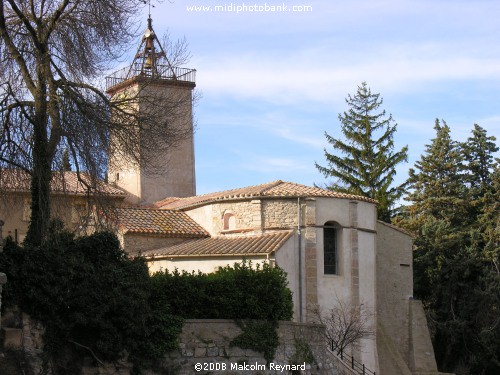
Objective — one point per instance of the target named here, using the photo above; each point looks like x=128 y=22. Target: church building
x=330 y=244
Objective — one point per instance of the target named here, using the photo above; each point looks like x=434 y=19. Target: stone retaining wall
x=206 y=344
x=204 y=348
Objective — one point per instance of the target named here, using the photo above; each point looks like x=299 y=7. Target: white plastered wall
x=205 y=264
x=357 y=258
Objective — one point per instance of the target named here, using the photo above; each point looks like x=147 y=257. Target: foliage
x=303 y=353
x=438 y=188
x=258 y=335
x=454 y=215
x=95 y=301
x=255 y=297
x=90 y=297
x=48 y=50
x=238 y=292
x=65 y=161
x=368 y=164
x=51 y=53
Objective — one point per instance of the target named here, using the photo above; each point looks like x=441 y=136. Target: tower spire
x=150 y=52
x=150 y=59
x=158 y=96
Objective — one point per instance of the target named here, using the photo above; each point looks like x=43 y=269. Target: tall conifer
x=65 y=163
x=437 y=182
x=454 y=215
x=365 y=163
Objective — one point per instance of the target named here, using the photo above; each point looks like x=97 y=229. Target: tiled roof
x=168 y=223
x=16 y=180
x=224 y=246
x=272 y=189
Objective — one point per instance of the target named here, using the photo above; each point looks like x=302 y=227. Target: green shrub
x=90 y=297
x=94 y=300
x=255 y=297
x=238 y=292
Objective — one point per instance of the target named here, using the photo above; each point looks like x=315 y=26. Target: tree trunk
x=42 y=173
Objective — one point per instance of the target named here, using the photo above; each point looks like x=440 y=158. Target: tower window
x=330 y=253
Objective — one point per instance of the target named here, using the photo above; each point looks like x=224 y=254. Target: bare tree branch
x=51 y=53
x=345 y=324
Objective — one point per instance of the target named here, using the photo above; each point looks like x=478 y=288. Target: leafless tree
x=52 y=54
x=345 y=324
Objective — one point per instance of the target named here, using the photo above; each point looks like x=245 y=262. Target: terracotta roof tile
x=272 y=189
x=158 y=222
x=225 y=246
x=16 y=180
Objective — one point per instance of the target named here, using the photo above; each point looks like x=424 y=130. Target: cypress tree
x=454 y=215
x=479 y=153
x=365 y=163
x=437 y=182
x=65 y=162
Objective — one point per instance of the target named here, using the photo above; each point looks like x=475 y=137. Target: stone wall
x=253 y=215
x=204 y=348
x=280 y=213
x=247 y=216
x=205 y=344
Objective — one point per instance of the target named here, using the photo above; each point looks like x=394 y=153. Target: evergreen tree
x=479 y=153
x=454 y=215
x=437 y=182
x=65 y=162
x=490 y=222
x=367 y=166
x=479 y=150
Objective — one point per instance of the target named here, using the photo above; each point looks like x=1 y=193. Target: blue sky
x=273 y=82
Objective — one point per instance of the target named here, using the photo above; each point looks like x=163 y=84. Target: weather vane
x=148 y=3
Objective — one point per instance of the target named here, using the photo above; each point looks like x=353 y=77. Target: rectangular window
x=330 y=250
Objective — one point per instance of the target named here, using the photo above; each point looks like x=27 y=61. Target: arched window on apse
x=229 y=221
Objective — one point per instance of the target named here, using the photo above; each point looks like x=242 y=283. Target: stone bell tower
x=155 y=98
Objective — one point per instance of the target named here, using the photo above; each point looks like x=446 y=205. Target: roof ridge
x=277 y=188
x=272 y=185
x=265 y=186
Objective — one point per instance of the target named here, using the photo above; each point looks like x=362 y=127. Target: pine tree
x=367 y=166
x=65 y=162
x=454 y=215
x=437 y=182
x=479 y=153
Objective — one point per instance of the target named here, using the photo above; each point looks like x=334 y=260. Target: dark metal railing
x=163 y=72
x=359 y=367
